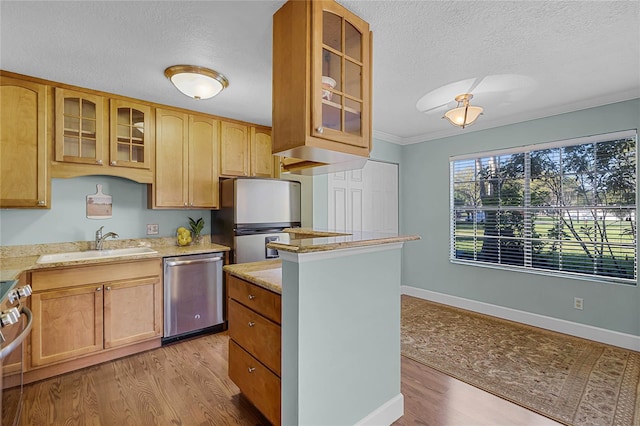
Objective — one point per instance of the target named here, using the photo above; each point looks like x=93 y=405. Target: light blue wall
x=425 y=211
x=340 y=336
x=66 y=221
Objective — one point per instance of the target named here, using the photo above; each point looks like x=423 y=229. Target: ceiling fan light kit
x=464 y=114
x=196 y=82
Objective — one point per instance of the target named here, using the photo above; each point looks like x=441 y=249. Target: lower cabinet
x=255 y=349
x=92 y=310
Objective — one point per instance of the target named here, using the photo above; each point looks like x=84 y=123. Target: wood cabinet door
x=171 y=174
x=204 y=156
x=234 y=149
x=66 y=324
x=132 y=311
x=79 y=127
x=340 y=75
x=261 y=156
x=131 y=134
x=23 y=144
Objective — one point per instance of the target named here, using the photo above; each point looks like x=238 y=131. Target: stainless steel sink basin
x=93 y=254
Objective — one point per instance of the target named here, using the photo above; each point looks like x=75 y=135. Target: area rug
x=571 y=380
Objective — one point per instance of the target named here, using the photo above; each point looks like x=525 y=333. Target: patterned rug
x=571 y=380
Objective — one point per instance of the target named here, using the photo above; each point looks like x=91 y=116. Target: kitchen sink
x=94 y=254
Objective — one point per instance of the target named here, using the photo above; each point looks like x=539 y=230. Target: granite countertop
x=16 y=259
x=266 y=274
x=304 y=240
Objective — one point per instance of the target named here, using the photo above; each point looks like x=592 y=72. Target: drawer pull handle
x=252 y=369
x=251 y=297
x=251 y=323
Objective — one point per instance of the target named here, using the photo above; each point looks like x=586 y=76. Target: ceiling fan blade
x=426 y=111
x=475 y=84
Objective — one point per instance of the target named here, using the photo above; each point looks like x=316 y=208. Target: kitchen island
x=340 y=325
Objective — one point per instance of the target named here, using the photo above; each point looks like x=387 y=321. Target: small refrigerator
x=253 y=213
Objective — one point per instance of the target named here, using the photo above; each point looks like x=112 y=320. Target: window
x=564 y=208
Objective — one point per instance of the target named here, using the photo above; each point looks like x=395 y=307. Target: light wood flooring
x=187 y=384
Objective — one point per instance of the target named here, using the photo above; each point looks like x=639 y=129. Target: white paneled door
x=364 y=200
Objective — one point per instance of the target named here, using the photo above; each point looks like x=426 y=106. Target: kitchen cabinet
x=246 y=151
x=79 y=127
x=234 y=149
x=263 y=162
x=91 y=309
x=130 y=140
x=98 y=135
x=255 y=344
x=23 y=144
x=187 y=158
x=321 y=82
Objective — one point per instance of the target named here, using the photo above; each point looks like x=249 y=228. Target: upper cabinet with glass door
x=130 y=134
x=340 y=75
x=322 y=90
x=79 y=127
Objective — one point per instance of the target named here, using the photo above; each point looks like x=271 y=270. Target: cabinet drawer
x=256 y=334
x=263 y=301
x=50 y=279
x=255 y=381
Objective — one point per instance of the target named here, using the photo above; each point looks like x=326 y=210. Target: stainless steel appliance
x=193 y=295
x=15 y=326
x=254 y=212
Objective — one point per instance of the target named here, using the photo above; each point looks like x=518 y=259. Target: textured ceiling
x=521 y=59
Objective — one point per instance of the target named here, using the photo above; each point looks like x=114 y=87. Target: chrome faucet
x=100 y=238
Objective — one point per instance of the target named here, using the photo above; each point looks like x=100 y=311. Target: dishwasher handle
x=174 y=262
x=20 y=338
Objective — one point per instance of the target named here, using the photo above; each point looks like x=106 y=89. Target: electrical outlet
x=153 y=229
x=578 y=303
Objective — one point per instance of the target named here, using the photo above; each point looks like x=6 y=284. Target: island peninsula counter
x=340 y=325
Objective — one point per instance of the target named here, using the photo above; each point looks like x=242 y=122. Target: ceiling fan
x=487 y=90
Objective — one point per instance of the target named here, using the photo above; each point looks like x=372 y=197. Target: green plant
x=196 y=226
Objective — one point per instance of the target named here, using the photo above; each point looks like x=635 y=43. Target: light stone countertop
x=305 y=240
x=266 y=274
x=16 y=259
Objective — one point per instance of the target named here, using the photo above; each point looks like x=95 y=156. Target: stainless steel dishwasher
x=193 y=295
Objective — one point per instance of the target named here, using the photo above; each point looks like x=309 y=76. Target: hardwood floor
x=187 y=384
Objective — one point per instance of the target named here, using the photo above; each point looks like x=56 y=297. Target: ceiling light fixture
x=196 y=82
x=464 y=114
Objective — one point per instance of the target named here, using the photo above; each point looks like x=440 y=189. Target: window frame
x=528 y=210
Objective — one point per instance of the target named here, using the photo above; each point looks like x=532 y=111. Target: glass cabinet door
x=341 y=75
x=79 y=122
x=129 y=134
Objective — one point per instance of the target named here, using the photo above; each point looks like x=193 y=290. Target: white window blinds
x=561 y=208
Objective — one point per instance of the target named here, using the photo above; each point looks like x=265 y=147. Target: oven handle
x=20 y=338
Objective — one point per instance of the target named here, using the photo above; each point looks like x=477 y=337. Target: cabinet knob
x=113 y=163
x=251 y=323
x=42 y=203
x=108 y=288
x=99 y=289
x=252 y=369
x=320 y=129
x=251 y=297
x=185 y=204
x=99 y=161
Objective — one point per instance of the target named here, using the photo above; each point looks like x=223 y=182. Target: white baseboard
x=386 y=414
x=610 y=337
